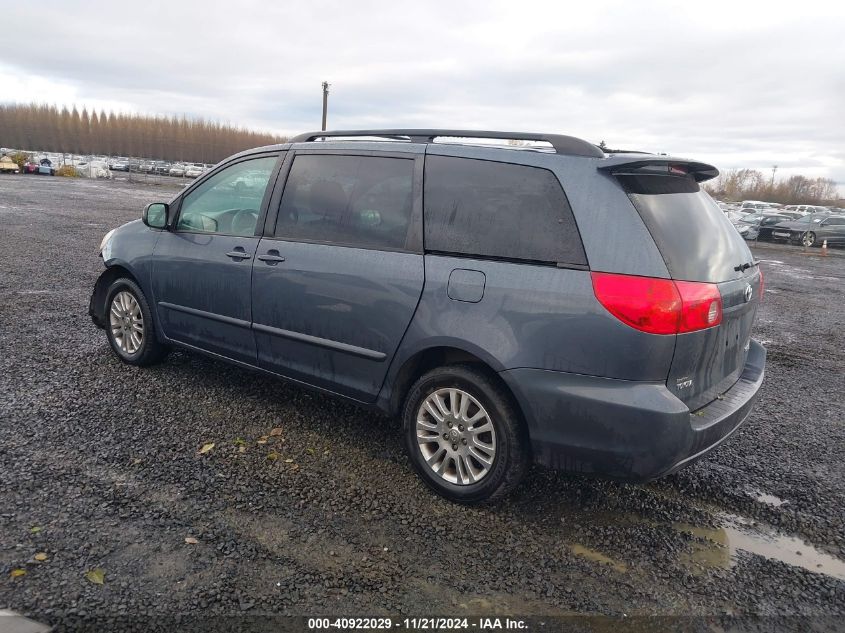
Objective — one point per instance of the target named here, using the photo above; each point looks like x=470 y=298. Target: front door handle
x=236 y=254
x=271 y=257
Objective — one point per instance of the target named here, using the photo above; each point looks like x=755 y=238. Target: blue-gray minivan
x=512 y=297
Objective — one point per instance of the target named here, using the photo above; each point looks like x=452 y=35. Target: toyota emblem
x=748 y=293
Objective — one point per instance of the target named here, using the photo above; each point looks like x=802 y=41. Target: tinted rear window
x=501 y=210
x=697 y=241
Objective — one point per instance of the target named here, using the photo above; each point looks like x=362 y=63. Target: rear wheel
x=130 y=327
x=809 y=239
x=464 y=436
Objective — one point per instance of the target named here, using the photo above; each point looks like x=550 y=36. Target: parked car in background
x=735 y=216
x=146 y=167
x=758 y=226
x=754 y=205
x=177 y=170
x=119 y=164
x=8 y=166
x=193 y=171
x=805 y=209
x=472 y=291
x=812 y=230
x=94 y=169
x=45 y=167
x=162 y=168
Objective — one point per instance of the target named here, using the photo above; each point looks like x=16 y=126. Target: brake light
x=659 y=306
x=702 y=306
x=760 y=300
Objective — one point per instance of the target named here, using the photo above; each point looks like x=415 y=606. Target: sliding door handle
x=271 y=259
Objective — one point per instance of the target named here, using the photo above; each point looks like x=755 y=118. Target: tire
x=809 y=239
x=462 y=476
x=127 y=308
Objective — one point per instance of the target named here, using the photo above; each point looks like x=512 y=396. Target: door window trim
x=414 y=235
x=265 y=200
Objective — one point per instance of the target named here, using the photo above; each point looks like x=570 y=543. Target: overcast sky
x=740 y=84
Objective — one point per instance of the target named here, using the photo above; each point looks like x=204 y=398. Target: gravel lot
x=100 y=468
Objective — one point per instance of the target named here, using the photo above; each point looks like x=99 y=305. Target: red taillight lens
x=659 y=306
x=645 y=303
x=702 y=306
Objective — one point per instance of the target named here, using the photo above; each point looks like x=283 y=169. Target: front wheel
x=464 y=435
x=130 y=327
x=809 y=239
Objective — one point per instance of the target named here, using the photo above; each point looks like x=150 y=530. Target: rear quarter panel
x=532 y=316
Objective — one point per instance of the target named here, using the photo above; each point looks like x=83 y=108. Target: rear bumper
x=624 y=429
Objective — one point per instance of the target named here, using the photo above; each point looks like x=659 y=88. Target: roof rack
x=562 y=144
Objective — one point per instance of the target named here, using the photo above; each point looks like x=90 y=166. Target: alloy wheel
x=456 y=436
x=127 y=322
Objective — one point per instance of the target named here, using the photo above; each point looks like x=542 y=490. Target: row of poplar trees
x=48 y=128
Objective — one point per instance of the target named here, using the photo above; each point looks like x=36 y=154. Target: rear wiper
x=743 y=267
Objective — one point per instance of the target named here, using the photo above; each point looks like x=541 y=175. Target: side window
x=490 y=209
x=351 y=200
x=229 y=202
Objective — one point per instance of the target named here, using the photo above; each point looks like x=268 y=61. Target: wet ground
x=100 y=469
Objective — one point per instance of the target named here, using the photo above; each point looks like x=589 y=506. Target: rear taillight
x=760 y=300
x=659 y=306
x=702 y=306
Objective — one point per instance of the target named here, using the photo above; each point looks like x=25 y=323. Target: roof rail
x=562 y=144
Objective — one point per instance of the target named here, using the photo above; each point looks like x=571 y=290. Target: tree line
x=39 y=127
x=751 y=184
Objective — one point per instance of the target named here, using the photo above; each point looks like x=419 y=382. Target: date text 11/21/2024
x=417 y=624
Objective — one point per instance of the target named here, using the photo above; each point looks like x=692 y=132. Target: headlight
x=105 y=242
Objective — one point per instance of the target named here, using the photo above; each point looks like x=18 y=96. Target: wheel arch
x=97 y=305
x=428 y=358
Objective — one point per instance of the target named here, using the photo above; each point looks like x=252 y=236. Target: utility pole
x=325 y=103
x=772 y=184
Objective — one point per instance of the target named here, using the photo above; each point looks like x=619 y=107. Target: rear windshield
x=697 y=241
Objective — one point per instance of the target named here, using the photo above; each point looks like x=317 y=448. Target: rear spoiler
x=665 y=165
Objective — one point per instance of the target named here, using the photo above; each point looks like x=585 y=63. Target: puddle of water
x=769 y=500
x=735 y=536
x=597 y=557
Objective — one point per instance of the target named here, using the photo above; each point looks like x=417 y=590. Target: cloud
x=738 y=84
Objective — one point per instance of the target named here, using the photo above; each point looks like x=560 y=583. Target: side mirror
x=156 y=215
